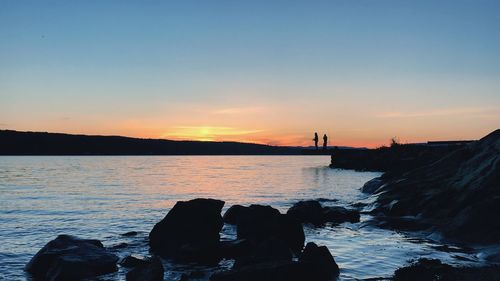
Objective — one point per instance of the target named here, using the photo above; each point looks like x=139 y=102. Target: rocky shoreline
x=269 y=245
x=456 y=197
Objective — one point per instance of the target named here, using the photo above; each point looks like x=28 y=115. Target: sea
x=102 y=197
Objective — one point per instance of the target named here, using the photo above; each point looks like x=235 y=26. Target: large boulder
x=322 y=262
x=309 y=211
x=189 y=232
x=71 y=258
x=149 y=270
x=238 y=214
x=258 y=223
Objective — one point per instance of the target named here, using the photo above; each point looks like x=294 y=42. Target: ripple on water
x=102 y=197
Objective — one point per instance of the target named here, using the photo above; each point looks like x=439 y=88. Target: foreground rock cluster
x=269 y=245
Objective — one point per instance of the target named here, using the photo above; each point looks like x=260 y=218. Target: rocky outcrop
x=189 y=232
x=149 y=270
x=258 y=223
x=372 y=185
x=459 y=195
x=71 y=258
x=311 y=211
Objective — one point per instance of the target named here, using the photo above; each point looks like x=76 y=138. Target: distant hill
x=42 y=143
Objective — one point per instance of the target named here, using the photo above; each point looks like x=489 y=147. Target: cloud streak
x=461 y=111
x=239 y=110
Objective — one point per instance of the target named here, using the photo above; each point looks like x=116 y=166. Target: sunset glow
x=421 y=71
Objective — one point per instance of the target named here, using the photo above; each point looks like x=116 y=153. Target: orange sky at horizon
x=265 y=126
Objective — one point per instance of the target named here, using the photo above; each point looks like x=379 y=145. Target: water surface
x=102 y=197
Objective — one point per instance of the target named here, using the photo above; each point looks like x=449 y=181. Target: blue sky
x=263 y=71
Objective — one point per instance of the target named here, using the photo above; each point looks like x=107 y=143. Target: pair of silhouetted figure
x=316 y=139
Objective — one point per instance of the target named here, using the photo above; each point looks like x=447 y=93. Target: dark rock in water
x=238 y=214
x=321 y=260
x=271 y=250
x=151 y=270
x=258 y=223
x=131 y=261
x=290 y=231
x=424 y=269
x=371 y=186
x=235 y=248
x=309 y=211
x=189 y=232
x=130 y=233
x=340 y=215
x=119 y=246
x=458 y=194
x=326 y=200
x=431 y=270
x=271 y=271
x=71 y=258
x=315 y=263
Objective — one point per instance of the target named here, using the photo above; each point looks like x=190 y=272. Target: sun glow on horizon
x=207 y=133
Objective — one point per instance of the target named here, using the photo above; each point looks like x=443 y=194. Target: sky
x=273 y=72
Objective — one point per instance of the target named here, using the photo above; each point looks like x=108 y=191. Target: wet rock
x=119 y=246
x=150 y=270
x=189 y=232
x=271 y=250
x=238 y=214
x=432 y=269
x=326 y=200
x=71 y=258
x=271 y=271
x=424 y=269
x=131 y=261
x=372 y=185
x=258 y=223
x=321 y=261
x=340 y=215
x=235 y=248
x=315 y=263
x=309 y=211
x=130 y=233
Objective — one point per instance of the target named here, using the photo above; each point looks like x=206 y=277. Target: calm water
x=102 y=197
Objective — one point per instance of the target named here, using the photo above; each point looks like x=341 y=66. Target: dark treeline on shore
x=42 y=143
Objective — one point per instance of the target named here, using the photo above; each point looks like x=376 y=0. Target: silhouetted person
x=325 y=141
x=316 y=139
